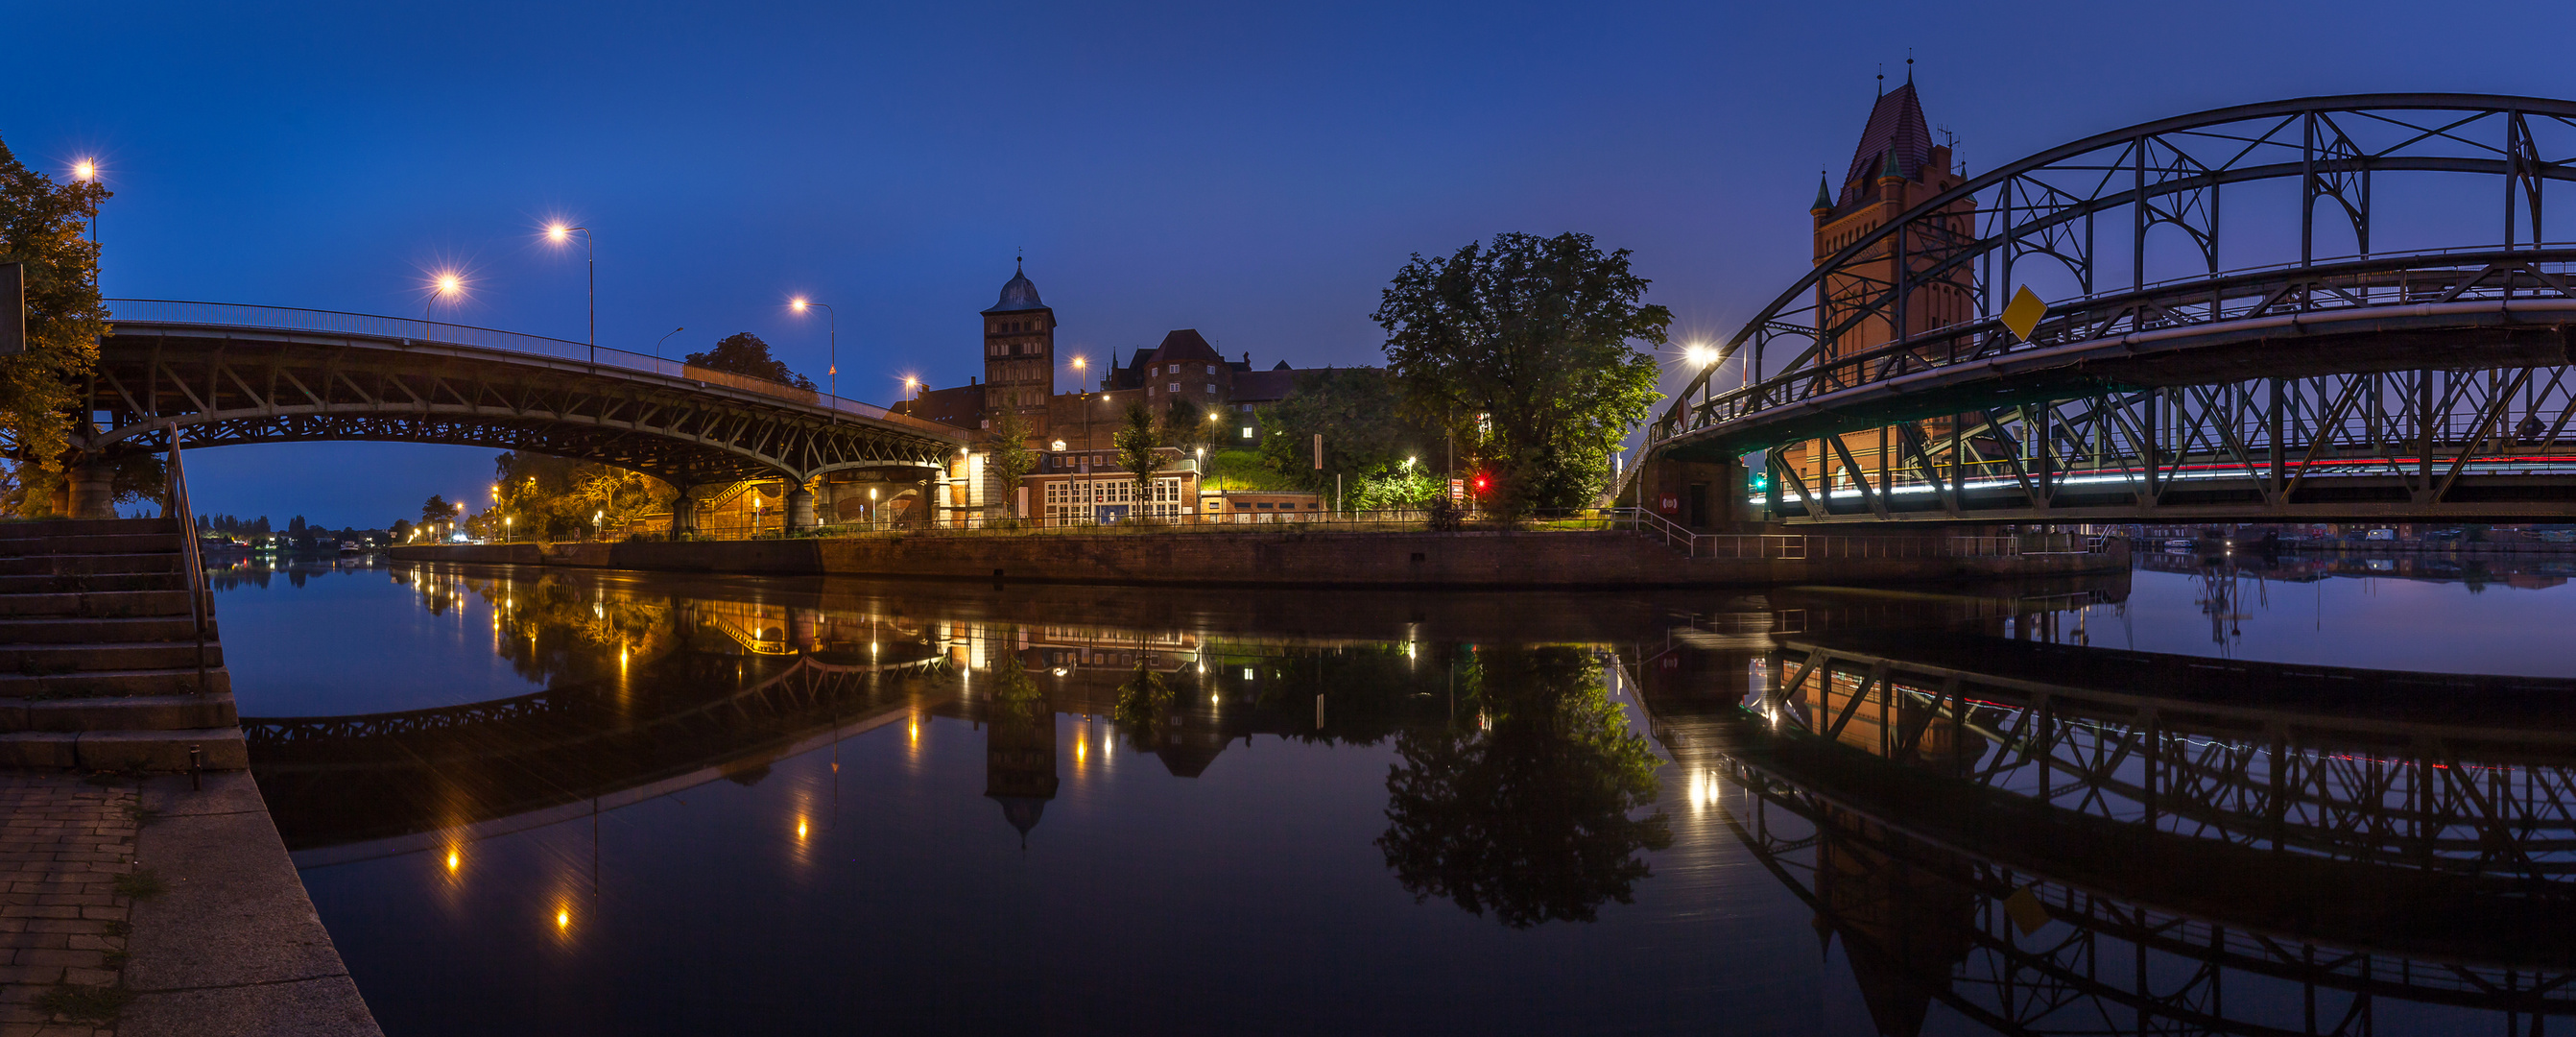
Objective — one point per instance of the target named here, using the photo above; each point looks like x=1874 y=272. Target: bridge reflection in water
x=1999 y=827
x=2051 y=838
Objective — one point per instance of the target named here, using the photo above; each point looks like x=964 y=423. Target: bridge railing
x=407 y=330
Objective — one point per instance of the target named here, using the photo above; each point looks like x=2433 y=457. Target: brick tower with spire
x=1896 y=167
x=1019 y=355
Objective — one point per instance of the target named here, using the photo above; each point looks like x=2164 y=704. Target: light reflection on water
x=684 y=805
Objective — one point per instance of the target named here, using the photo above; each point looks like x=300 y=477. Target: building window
x=1211 y=368
x=1174 y=387
x=1247 y=432
x=1211 y=390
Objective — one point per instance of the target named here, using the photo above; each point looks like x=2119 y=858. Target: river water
x=2208 y=795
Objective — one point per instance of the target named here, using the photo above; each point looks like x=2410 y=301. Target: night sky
x=1253 y=171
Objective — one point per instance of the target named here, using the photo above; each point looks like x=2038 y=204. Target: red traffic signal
x=1483 y=482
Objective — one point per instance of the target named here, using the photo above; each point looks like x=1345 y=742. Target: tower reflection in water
x=2051 y=838
x=1996 y=827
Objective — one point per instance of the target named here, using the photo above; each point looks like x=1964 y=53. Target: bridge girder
x=2122 y=317
x=238 y=386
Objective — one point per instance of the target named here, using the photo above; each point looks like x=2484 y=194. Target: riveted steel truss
x=2497 y=442
x=246 y=386
x=2122 y=237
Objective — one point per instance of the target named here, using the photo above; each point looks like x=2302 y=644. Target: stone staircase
x=98 y=652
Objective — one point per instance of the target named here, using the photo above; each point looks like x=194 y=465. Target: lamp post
x=666 y=337
x=86 y=171
x=448 y=284
x=560 y=233
x=1082 y=387
x=832 y=322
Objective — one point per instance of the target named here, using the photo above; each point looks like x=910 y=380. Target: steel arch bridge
x=2381 y=326
x=250 y=374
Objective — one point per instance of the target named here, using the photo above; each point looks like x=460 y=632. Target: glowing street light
x=445 y=285
x=1698 y=354
x=832 y=322
x=560 y=234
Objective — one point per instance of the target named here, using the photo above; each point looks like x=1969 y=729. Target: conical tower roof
x=1897 y=137
x=1018 y=295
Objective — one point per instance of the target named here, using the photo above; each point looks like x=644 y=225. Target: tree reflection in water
x=1529 y=817
x=1144 y=703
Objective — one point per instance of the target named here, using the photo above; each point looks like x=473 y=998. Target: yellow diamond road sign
x=2024 y=313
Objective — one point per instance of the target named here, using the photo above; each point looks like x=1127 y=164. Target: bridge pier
x=800 y=508
x=684 y=513
x=93 y=490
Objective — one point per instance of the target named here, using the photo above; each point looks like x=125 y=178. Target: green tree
x=41 y=225
x=1530 y=818
x=1185 y=423
x=436 y=509
x=558 y=498
x=744 y=353
x=1011 y=457
x=1535 y=335
x=1139 y=442
x=1367 y=432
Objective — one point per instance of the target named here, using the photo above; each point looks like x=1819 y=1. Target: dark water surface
x=2199 y=797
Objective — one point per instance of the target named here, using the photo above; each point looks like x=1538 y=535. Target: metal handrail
x=201 y=599
x=408 y=330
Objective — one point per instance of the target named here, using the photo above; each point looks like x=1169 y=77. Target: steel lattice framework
x=266 y=375
x=2354 y=338
x=2220 y=839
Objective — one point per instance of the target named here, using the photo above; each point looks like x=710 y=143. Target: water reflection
x=1530 y=813
x=2047 y=838
x=1988 y=821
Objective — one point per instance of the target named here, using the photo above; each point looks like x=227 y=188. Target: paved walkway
x=64 y=843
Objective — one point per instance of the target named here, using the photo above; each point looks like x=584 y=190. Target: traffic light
x=1761 y=482
x=1483 y=482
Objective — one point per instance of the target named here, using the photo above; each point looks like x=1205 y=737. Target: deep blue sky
x=1256 y=171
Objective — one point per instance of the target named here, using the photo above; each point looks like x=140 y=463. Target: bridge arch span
x=2322 y=375
x=242 y=374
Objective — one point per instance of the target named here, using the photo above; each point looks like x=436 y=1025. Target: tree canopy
x=1368 y=435
x=1011 y=458
x=743 y=353
x=1535 y=337
x=1139 y=442
x=41 y=225
x=556 y=498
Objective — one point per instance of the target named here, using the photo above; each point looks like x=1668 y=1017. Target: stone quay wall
x=1465 y=560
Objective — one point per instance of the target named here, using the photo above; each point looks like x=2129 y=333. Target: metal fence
x=406 y=330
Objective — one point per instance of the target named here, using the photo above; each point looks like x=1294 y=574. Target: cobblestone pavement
x=63 y=844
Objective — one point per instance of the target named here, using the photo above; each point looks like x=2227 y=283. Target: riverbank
x=1287 y=558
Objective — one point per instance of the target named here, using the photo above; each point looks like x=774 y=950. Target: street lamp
x=446 y=284
x=657 y=343
x=832 y=322
x=86 y=171
x=558 y=233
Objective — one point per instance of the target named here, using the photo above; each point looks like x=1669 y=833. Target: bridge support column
x=1703 y=495
x=684 y=513
x=93 y=489
x=800 y=508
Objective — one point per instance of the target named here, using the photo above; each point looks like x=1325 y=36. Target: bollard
x=1319 y=712
x=196 y=767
